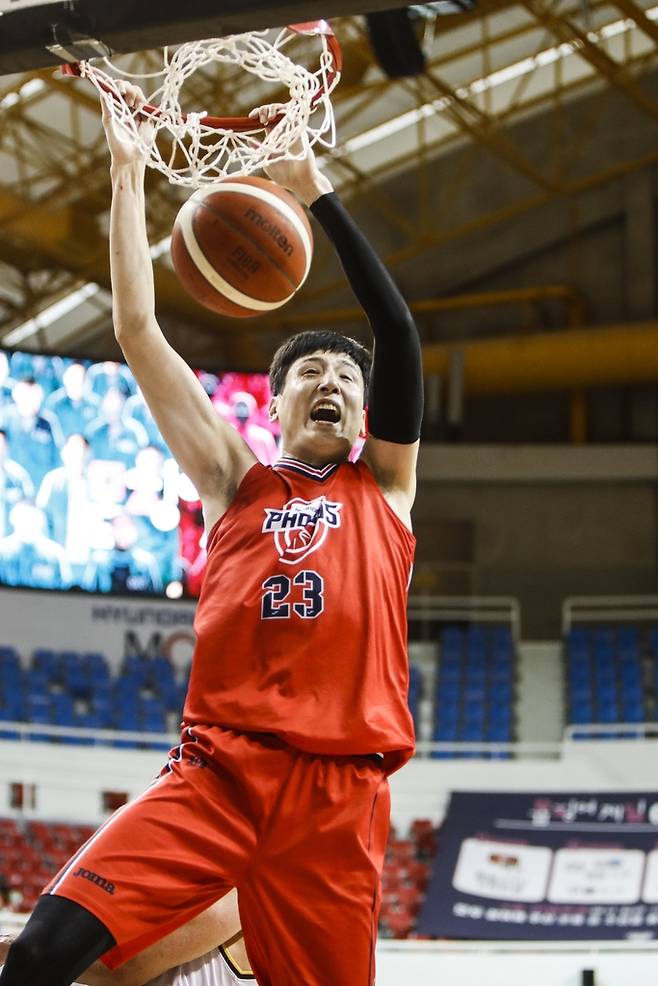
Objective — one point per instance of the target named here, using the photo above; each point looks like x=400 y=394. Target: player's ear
x=273 y=410
x=363 y=431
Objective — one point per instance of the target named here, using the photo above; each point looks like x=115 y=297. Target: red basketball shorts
x=302 y=837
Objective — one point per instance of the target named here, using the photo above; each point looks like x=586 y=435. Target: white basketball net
x=203 y=149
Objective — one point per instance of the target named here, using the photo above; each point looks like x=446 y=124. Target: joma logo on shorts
x=100 y=881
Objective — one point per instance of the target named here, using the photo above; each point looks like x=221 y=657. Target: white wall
x=494 y=964
x=444 y=964
x=420 y=790
x=69 y=779
x=86 y=622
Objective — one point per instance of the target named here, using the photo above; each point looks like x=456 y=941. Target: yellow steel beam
x=53 y=232
x=503 y=214
x=46 y=226
x=570 y=296
x=565 y=360
x=478 y=125
x=611 y=70
x=639 y=17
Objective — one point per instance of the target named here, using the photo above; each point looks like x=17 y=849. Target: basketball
x=242 y=247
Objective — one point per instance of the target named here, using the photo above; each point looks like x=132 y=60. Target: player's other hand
x=123 y=148
x=299 y=172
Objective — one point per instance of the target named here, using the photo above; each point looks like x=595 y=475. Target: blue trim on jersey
x=303 y=468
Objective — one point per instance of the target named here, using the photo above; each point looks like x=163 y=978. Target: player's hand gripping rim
x=124 y=148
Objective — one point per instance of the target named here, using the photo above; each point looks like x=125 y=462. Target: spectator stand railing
x=427 y=614
x=140 y=741
x=36 y=732
x=611 y=731
x=454 y=715
x=608 y=609
x=628 y=693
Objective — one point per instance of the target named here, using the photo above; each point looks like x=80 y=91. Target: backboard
x=38 y=33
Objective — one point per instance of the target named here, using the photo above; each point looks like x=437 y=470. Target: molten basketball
x=242 y=247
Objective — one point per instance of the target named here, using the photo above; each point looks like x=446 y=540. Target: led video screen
x=90 y=496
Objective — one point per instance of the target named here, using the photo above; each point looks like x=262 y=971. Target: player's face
x=320 y=409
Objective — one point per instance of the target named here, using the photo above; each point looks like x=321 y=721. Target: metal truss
x=487 y=71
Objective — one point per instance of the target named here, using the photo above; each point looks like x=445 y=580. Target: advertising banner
x=545 y=866
x=30 y=619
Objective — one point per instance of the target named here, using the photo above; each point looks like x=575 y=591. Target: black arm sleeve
x=395 y=399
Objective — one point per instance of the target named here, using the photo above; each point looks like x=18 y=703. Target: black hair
x=317 y=341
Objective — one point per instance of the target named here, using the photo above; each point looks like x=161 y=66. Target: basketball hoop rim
x=241 y=124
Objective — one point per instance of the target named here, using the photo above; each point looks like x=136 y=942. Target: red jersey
x=302 y=620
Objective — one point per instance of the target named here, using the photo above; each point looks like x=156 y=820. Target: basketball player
x=297 y=706
x=189 y=956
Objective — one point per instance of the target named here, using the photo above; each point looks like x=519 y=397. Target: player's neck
x=315 y=460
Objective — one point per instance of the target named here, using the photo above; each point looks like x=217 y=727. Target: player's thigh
x=162 y=858
x=310 y=906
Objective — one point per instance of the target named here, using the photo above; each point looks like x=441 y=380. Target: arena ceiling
x=486 y=70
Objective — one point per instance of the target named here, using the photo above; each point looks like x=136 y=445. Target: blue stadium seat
x=452 y=677
x=97 y=668
x=605 y=665
x=452 y=637
x=474 y=713
x=476 y=646
x=579 y=655
x=631 y=692
x=606 y=694
x=127 y=718
x=608 y=712
x=633 y=711
x=628 y=642
x=62 y=710
x=501 y=657
x=36 y=683
x=653 y=642
x=127 y=687
x=11 y=679
x=448 y=691
x=137 y=668
x=577 y=643
x=474 y=693
x=631 y=674
x=500 y=714
x=471 y=732
x=581 y=692
x=450 y=662
x=39 y=713
x=475 y=677
x=76 y=681
x=46 y=662
x=101 y=691
x=12 y=702
x=104 y=711
x=605 y=678
x=581 y=713
x=499 y=732
x=501 y=673
x=447 y=713
x=501 y=641
x=577 y=678
x=500 y=692
x=445 y=732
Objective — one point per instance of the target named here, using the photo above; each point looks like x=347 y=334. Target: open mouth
x=325 y=411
